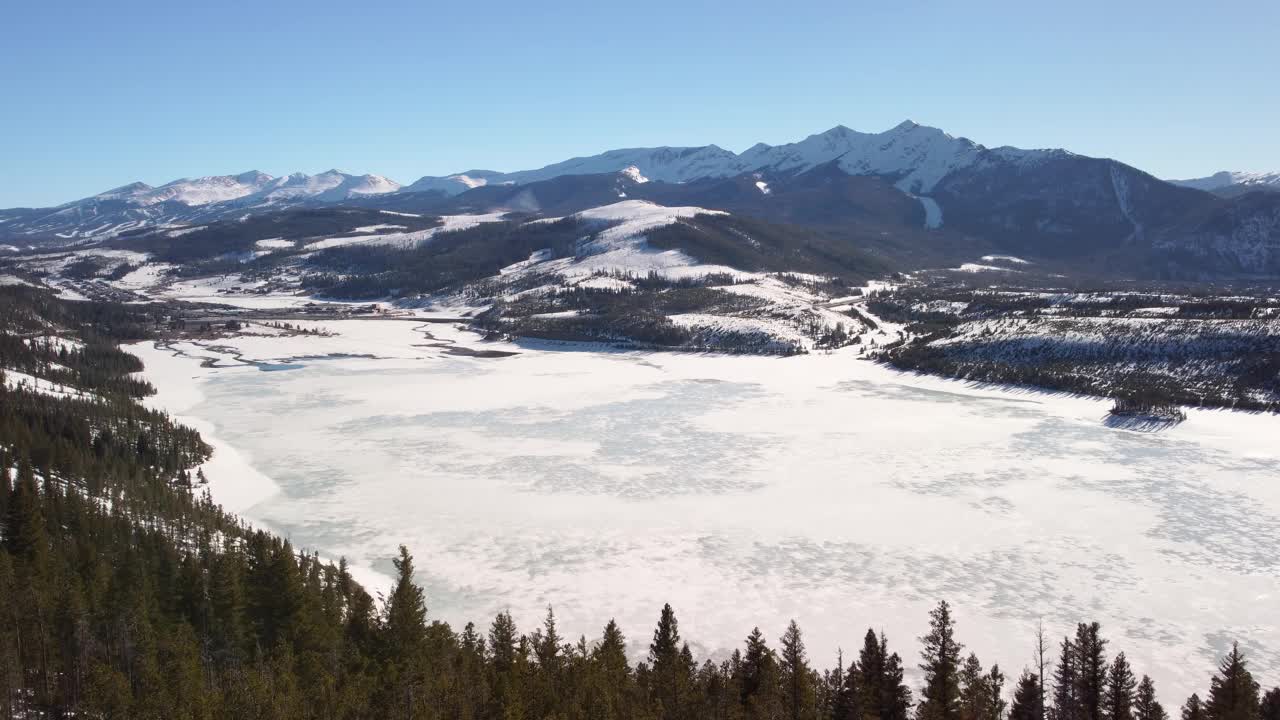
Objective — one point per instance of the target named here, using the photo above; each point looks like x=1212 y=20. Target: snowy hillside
x=1229 y=178
x=920 y=156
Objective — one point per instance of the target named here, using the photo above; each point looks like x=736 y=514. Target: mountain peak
x=905 y=125
x=253 y=176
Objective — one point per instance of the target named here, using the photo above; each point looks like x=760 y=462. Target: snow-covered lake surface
x=747 y=491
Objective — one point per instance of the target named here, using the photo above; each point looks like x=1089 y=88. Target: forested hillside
x=125 y=592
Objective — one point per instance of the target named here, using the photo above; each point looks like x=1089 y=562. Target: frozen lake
x=747 y=491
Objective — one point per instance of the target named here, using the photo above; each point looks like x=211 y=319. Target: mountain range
x=910 y=191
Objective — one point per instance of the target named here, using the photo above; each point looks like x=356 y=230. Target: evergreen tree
x=1065 y=705
x=1091 y=672
x=1121 y=688
x=1270 y=707
x=981 y=693
x=549 y=653
x=1145 y=705
x=25 y=535
x=665 y=664
x=508 y=652
x=1027 y=702
x=1193 y=709
x=941 y=667
x=846 y=691
x=405 y=629
x=871 y=675
x=547 y=645
x=227 y=605
x=895 y=702
x=503 y=639
x=610 y=657
x=759 y=679
x=797 y=679
x=995 y=692
x=1233 y=693
x=973 y=690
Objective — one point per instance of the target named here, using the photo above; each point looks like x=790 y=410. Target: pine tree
x=405 y=629
x=895 y=701
x=798 y=690
x=1145 y=705
x=25 y=528
x=759 y=681
x=871 y=675
x=227 y=603
x=665 y=664
x=547 y=649
x=1233 y=693
x=507 y=659
x=995 y=693
x=981 y=693
x=1121 y=687
x=885 y=695
x=1193 y=709
x=405 y=612
x=1091 y=672
x=846 y=691
x=1065 y=705
x=1027 y=703
x=610 y=656
x=547 y=645
x=941 y=667
x=1270 y=707
x=502 y=643
x=973 y=691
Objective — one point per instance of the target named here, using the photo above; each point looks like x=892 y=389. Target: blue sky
x=100 y=94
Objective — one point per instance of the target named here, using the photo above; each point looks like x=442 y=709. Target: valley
x=831 y=381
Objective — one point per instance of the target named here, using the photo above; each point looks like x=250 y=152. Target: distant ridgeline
x=125 y=592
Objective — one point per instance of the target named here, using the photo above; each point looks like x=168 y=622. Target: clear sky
x=97 y=94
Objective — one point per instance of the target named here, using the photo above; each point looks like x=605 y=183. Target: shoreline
x=234 y=482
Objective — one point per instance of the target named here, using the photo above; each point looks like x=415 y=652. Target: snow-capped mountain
x=330 y=186
x=913 y=156
x=253 y=185
x=1233 y=182
x=928 y=189
x=192 y=191
x=917 y=155
x=453 y=184
x=138 y=204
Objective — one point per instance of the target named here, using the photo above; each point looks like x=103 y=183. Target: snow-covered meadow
x=745 y=491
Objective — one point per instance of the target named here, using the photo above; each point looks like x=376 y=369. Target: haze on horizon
x=98 y=96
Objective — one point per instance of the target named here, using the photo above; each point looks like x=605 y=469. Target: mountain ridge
x=912 y=187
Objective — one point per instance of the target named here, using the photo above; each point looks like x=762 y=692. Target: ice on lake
x=748 y=491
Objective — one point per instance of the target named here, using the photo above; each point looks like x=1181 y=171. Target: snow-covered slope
x=326 y=186
x=1229 y=178
x=453 y=184
x=917 y=155
x=253 y=187
x=205 y=190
